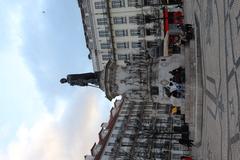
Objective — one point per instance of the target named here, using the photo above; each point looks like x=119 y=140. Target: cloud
x=66 y=133
x=63 y=135
x=54 y=44
x=20 y=99
x=34 y=54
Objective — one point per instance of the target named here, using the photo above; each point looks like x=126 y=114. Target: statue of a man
x=81 y=79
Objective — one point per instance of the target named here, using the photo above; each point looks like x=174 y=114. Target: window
x=148 y=112
x=100 y=5
x=106 y=57
x=176 y=122
x=136 y=44
x=136 y=19
x=114 y=135
x=177 y=136
x=176 y=156
x=118 y=128
x=119 y=120
x=102 y=21
x=161 y=106
x=126 y=135
x=121 y=33
x=133 y=3
x=151 y=2
x=105 y=45
x=124 y=108
x=104 y=33
x=123 y=45
x=176 y=146
x=118 y=3
x=119 y=20
x=158 y=145
x=107 y=153
x=161 y=112
x=135 y=32
x=126 y=144
x=123 y=112
x=151 y=31
x=133 y=19
x=131 y=127
x=151 y=44
x=111 y=144
x=138 y=57
x=123 y=57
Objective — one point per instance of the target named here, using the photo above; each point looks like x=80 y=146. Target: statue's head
x=63 y=80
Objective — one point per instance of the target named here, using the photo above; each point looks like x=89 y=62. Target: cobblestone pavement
x=217 y=41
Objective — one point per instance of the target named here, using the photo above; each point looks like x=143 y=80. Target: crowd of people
x=176 y=87
x=179 y=34
x=187 y=33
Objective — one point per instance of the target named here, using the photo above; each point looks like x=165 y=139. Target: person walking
x=186 y=142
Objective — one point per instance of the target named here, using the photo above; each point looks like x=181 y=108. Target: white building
x=141 y=125
x=120 y=29
x=139 y=130
x=121 y=36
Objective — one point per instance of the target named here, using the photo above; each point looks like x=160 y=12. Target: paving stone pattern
x=218 y=23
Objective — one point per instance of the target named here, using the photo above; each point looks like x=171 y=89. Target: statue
x=82 y=79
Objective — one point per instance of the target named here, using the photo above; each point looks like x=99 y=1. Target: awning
x=165 y=17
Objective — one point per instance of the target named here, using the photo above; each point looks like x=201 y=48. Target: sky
x=42 y=41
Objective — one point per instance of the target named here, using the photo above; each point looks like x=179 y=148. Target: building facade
x=145 y=124
x=140 y=130
x=129 y=43
x=121 y=29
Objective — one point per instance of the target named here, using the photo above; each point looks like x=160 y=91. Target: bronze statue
x=82 y=79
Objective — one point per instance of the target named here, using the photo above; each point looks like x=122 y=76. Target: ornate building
x=121 y=29
x=142 y=125
x=132 y=57
x=140 y=130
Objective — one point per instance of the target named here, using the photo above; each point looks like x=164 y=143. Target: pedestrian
x=185 y=127
x=177 y=94
x=186 y=142
x=167 y=91
x=177 y=86
x=176 y=80
x=179 y=69
x=178 y=74
x=176 y=90
x=172 y=87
